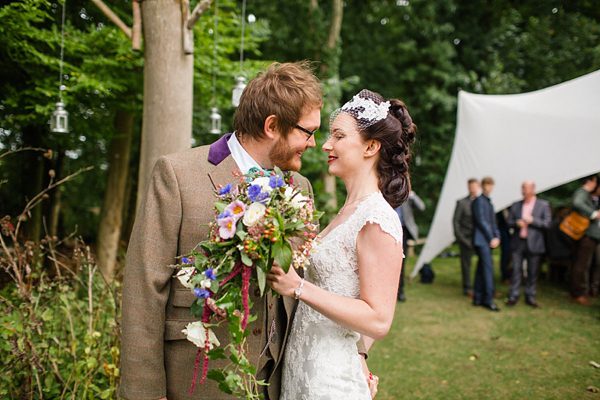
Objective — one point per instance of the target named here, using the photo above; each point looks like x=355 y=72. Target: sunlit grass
x=440 y=346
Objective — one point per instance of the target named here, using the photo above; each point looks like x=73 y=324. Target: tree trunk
x=111 y=218
x=55 y=195
x=168 y=87
x=329 y=69
x=34 y=181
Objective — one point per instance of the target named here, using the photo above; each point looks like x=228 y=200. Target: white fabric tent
x=551 y=136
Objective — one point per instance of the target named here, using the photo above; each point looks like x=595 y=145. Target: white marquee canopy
x=551 y=136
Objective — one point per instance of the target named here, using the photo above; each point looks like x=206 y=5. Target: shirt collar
x=241 y=157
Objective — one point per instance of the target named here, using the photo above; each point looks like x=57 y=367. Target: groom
x=278 y=113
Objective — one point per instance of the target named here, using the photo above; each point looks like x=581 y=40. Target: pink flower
x=226 y=227
x=237 y=208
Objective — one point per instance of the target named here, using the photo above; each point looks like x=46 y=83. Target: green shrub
x=59 y=325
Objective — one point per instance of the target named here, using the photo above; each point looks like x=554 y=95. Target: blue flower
x=201 y=293
x=254 y=192
x=185 y=260
x=210 y=274
x=224 y=214
x=225 y=190
x=276 y=181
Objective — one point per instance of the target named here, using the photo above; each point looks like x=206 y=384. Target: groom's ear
x=270 y=127
x=373 y=147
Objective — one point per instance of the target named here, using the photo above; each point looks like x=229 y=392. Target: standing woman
x=352 y=282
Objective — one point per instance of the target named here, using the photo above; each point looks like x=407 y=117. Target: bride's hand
x=282 y=283
x=372 y=380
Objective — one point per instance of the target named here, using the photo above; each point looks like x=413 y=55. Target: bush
x=60 y=334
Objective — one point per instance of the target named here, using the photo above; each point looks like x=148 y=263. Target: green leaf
x=283 y=254
x=220 y=206
x=224 y=387
x=216 y=375
x=246 y=260
x=240 y=233
x=216 y=354
x=262 y=279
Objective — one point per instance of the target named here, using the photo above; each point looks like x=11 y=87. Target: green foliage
x=59 y=333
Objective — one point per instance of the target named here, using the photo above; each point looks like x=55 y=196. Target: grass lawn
x=442 y=347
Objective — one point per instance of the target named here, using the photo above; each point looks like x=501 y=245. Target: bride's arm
x=379 y=264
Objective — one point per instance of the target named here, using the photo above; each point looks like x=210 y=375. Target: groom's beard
x=284 y=157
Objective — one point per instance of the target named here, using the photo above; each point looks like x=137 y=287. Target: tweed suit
x=157 y=359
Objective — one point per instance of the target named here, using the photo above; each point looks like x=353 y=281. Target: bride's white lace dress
x=321 y=360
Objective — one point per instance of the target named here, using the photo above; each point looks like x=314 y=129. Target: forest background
x=421 y=51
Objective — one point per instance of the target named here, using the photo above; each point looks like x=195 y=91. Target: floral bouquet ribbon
x=257 y=220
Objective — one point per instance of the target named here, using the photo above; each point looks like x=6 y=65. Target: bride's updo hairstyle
x=390 y=124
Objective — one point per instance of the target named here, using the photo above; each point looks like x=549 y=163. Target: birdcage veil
x=366 y=107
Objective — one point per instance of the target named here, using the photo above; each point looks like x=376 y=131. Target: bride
x=352 y=282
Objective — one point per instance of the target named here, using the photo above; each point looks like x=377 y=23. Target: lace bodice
x=321 y=359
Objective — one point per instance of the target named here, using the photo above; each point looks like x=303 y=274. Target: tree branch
x=198 y=10
x=113 y=17
x=137 y=26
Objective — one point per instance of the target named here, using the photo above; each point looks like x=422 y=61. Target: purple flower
x=254 y=192
x=225 y=214
x=201 y=293
x=226 y=227
x=210 y=274
x=225 y=190
x=236 y=209
x=276 y=181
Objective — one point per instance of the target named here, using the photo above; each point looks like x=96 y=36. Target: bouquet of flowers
x=257 y=220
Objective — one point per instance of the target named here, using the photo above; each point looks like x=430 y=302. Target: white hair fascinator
x=366 y=107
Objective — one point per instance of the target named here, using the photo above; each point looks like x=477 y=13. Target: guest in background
x=485 y=238
x=595 y=270
x=505 y=245
x=410 y=230
x=529 y=218
x=584 y=247
x=463 y=231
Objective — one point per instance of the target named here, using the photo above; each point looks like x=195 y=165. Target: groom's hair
x=285 y=90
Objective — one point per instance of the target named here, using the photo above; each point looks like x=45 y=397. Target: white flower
x=196 y=333
x=205 y=284
x=298 y=201
x=184 y=275
x=263 y=182
x=254 y=213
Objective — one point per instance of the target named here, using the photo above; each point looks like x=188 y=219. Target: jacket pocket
x=182 y=298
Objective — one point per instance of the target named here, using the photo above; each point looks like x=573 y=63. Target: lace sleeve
x=381 y=213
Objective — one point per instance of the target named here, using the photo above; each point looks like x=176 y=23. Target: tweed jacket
x=542 y=217
x=157 y=360
x=462 y=221
x=484 y=222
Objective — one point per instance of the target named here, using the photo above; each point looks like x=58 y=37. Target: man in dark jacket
x=529 y=218
x=463 y=231
x=485 y=238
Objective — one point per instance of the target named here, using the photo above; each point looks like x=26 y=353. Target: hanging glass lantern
x=215 y=120
x=59 y=122
x=238 y=89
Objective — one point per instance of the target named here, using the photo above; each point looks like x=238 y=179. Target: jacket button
x=257 y=331
x=257 y=292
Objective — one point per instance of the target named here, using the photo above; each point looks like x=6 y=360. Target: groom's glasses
x=309 y=133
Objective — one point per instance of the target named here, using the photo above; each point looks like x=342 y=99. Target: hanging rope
x=62 y=50
x=243 y=25
x=215 y=53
